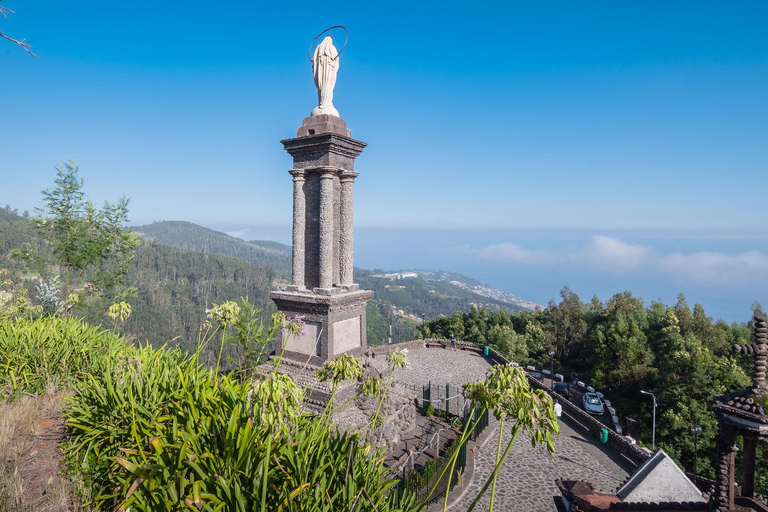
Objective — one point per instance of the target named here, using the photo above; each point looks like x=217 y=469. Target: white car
x=592 y=403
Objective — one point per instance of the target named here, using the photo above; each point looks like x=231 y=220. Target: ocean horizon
x=725 y=271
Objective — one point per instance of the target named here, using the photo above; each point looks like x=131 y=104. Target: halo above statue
x=346 y=38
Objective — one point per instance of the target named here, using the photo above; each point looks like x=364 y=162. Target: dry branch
x=4 y=11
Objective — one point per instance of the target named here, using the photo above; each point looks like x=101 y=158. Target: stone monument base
x=334 y=318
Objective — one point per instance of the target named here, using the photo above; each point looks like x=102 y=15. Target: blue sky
x=608 y=118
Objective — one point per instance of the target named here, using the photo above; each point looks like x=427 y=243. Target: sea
x=725 y=271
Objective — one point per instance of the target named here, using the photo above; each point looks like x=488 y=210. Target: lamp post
x=654 y=415
x=551 y=369
x=696 y=431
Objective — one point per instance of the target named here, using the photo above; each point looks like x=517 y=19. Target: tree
x=83 y=238
x=566 y=328
x=4 y=11
x=500 y=338
x=623 y=358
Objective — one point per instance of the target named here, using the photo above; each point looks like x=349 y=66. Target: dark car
x=563 y=388
x=537 y=375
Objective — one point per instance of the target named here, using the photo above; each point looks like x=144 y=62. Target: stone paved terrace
x=440 y=366
x=527 y=480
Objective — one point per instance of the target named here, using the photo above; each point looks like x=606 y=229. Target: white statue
x=325 y=65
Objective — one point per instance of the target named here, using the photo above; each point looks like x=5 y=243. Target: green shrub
x=430 y=411
x=153 y=429
x=34 y=352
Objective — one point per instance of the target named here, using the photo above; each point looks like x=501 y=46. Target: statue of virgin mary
x=325 y=65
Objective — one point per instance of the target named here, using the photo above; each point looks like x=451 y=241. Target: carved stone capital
x=327 y=172
x=347 y=176
x=298 y=174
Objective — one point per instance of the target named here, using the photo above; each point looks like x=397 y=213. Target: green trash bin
x=486 y=350
x=604 y=435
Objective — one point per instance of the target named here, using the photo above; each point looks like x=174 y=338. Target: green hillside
x=9 y=215
x=422 y=297
x=175 y=286
x=269 y=244
x=191 y=236
x=180 y=268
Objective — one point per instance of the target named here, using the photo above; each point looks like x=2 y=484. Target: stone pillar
x=725 y=468
x=760 y=334
x=346 y=242
x=748 y=467
x=299 y=226
x=327 y=176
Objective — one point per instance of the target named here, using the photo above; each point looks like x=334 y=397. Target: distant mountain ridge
x=415 y=298
x=475 y=286
x=269 y=244
x=187 y=235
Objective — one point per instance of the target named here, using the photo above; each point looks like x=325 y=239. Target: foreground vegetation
x=154 y=429
x=622 y=346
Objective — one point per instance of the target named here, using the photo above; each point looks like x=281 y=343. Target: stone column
x=725 y=468
x=748 y=467
x=346 y=244
x=327 y=175
x=299 y=219
x=760 y=334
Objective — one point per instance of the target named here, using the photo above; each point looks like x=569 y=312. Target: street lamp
x=696 y=431
x=551 y=369
x=654 y=415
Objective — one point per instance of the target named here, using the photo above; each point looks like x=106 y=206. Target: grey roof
x=659 y=479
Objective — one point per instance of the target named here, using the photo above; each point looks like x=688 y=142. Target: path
x=527 y=479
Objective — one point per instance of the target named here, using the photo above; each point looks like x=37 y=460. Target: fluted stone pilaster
x=346 y=238
x=327 y=176
x=299 y=227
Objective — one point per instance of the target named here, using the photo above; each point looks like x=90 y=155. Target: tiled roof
x=744 y=401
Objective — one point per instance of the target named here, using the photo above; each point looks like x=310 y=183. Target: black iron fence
x=441 y=399
x=421 y=481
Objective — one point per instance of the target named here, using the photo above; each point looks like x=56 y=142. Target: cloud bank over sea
x=610 y=254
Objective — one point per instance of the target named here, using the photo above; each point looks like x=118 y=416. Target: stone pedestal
x=334 y=324
x=322 y=289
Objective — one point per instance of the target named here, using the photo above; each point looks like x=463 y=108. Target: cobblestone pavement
x=527 y=479
x=440 y=366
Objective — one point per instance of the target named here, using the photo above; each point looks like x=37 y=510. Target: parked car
x=592 y=403
x=563 y=388
x=537 y=375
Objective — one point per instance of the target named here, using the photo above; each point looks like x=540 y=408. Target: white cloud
x=717 y=268
x=509 y=252
x=613 y=255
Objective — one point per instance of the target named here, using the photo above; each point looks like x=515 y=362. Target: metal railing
x=421 y=481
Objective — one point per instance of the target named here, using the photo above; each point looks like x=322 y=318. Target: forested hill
x=181 y=268
x=175 y=286
x=424 y=297
x=8 y=215
x=418 y=296
x=191 y=236
x=269 y=244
